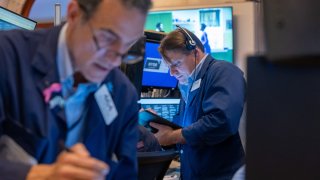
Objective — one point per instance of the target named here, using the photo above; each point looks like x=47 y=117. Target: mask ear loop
x=193 y=80
x=195 y=65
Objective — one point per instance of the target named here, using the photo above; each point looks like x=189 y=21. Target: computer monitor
x=156 y=73
x=216 y=22
x=164 y=107
x=10 y=20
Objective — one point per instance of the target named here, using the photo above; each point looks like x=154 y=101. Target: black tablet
x=145 y=117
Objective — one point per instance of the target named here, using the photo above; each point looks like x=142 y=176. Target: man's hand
x=76 y=164
x=166 y=135
x=149 y=109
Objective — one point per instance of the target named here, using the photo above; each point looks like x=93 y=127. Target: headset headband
x=190 y=43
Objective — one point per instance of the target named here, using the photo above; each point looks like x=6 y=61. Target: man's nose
x=173 y=71
x=119 y=50
x=116 y=61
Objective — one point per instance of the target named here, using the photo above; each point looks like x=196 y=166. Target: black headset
x=190 y=43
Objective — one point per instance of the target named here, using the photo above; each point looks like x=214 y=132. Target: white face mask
x=184 y=89
x=184 y=82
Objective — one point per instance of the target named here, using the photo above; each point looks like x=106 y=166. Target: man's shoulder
x=22 y=45
x=18 y=42
x=123 y=92
x=16 y=36
x=26 y=38
x=120 y=80
x=224 y=66
x=117 y=75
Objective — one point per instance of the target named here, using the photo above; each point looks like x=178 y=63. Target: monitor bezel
x=21 y=17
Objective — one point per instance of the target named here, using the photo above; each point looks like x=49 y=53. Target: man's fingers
x=141 y=110
x=151 y=110
x=73 y=172
x=159 y=126
x=84 y=162
x=80 y=149
x=155 y=125
x=78 y=156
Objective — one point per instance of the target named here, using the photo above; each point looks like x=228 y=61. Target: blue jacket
x=211 y=117
x=27 y=67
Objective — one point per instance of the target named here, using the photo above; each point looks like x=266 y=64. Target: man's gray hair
x=90 y=6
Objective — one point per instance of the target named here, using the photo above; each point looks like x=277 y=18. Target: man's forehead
x=174 y=55
x=167 y=61
x=126 y=24
x=171 y=62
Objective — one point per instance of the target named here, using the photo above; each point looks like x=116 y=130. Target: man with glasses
x=213 y=96
x=66 y=111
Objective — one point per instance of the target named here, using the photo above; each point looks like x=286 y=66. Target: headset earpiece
x=190 y=43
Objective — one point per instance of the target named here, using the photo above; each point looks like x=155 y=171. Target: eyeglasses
x=175 y=65
x=131 y=57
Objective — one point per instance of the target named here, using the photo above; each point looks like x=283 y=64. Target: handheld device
x=145 y=117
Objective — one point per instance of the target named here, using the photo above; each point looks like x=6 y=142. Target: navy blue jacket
x=211 y=117
x=27 y=67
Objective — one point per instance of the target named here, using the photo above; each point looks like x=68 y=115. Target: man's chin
x=182 y=80
x=97 y=79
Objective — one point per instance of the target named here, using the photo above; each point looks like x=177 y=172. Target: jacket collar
x=44 y=60
x=44 y=63
x=202 y=72
x=205 y=67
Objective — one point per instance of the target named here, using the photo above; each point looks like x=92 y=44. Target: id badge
x=106 y=104
x=196 y=85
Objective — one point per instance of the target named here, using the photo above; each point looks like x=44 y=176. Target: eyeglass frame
x=179 y=62
x=115 y=54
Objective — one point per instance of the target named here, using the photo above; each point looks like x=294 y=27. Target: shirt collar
x=198 y=68
x=64 y=63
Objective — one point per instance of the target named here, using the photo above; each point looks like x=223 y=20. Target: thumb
x=80 y=149
x=155 y=125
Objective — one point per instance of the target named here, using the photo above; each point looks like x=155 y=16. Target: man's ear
x=196 y=51
x=73 y=12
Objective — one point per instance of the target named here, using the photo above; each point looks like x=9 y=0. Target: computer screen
x=213 y=26
x=155 y=71
x=165 y=107
x=10 y=20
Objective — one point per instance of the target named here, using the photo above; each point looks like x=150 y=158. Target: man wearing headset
x=213 y=94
